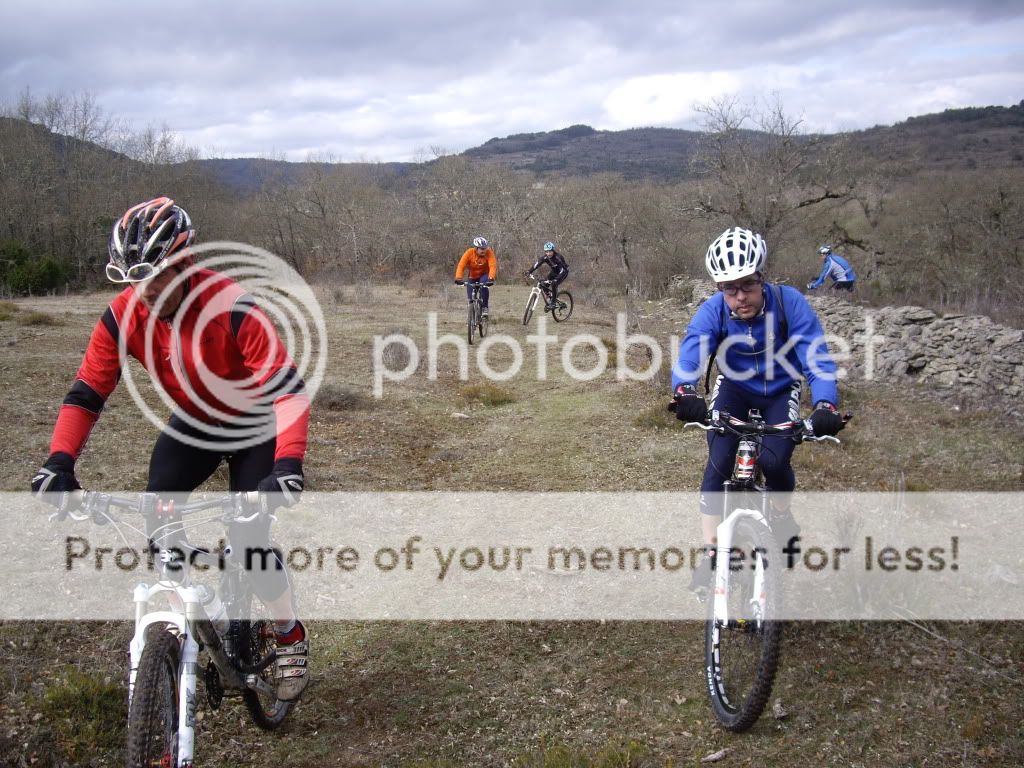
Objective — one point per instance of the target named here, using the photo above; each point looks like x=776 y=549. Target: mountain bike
x=743 y=634
x=167 y=642
x=477 y=321
x=541 y=288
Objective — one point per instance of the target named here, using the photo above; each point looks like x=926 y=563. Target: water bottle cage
x=746 y=459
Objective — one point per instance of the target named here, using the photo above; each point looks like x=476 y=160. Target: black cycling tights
x=176 y=467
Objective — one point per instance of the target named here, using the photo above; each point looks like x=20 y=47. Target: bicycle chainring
x=214 y=687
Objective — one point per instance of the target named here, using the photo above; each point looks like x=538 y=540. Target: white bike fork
x=183 y=599
x=723 y=551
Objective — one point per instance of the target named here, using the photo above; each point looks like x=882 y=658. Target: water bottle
x=216 y=612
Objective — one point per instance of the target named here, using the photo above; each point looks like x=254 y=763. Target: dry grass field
x=523 y=693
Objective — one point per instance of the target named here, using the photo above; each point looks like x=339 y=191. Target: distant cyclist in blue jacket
x=835 y=266
x=767 y=339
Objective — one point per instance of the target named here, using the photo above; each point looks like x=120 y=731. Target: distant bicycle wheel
x=530 y=304
x=563 y=307
x=741 y=655
x=471 y=323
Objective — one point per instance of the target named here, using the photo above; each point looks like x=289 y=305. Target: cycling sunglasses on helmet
x=136 y=272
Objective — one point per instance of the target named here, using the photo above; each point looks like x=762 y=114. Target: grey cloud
x=268 y=76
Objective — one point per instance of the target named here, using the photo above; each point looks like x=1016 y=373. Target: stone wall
x=966 y=355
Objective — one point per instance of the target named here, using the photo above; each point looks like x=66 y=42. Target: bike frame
x=753 y=431
x=186 y=613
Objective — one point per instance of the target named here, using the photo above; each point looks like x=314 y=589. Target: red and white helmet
x=735 y=253
x=145 y=238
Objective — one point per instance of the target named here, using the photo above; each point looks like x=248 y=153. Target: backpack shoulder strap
x=723 y=331
x=783 y=324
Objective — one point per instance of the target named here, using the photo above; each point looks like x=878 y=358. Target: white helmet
x=825 y=250
x=480 y=242
x=735 y=253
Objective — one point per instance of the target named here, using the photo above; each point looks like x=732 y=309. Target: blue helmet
x=549 y=246
x=480 y=242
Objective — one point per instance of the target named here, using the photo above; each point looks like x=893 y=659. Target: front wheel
x=741 y=654
x=153 y=717
x=530 y=304
x=563 y=307
x=471 y=322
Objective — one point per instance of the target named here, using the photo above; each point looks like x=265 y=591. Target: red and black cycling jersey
x=218 y=336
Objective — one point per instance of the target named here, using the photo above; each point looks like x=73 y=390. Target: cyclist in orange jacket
x=480 y=261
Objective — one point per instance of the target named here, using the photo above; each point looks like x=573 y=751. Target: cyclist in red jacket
x=237 y=393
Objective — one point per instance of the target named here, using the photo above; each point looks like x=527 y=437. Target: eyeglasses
x=747 y=286
x=136 y=272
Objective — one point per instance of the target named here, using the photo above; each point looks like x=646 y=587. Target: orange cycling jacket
x=477 y=265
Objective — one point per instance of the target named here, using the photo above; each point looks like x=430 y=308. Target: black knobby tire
x=482 y=321
x=529 y=308
x=153 y=718
x=563 y=307
x=740 y=659
x=254 y=639
x=471 y=323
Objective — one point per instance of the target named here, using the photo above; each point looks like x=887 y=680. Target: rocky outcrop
x=966 y=354
x=969 y=353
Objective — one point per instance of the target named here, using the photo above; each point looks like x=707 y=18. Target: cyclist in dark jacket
x=558 y=271
x=217 y=356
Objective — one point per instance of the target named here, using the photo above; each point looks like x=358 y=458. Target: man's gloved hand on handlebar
x=57 y=475
x=689 y=406
x=825 y=419
x=284 y=484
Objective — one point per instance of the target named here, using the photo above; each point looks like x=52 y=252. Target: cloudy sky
x=390 y=80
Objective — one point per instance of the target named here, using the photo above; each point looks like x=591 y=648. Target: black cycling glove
x=825 y=419
x=284 y=484
x=57 y=475
x=689 y=405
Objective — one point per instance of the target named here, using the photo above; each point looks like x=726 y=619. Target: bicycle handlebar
x=722 y=422
x=94 y=505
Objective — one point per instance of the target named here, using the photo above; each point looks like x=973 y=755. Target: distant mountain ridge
x=956 y=138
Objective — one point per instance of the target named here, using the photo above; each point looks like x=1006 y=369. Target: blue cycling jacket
x=753 y=361
x=836 y=266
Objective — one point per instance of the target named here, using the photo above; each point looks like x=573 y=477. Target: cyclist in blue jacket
x=767 y=339
x=835 y=266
